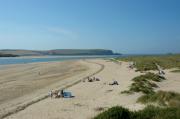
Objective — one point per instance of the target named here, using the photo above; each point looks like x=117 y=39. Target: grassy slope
x=144 y=83
x=144 y=63
x=162 y=98
x=58 y=52
x=8 y=55
x=150 y=112
x=176 y=71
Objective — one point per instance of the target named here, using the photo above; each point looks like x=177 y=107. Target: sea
x=25 y=60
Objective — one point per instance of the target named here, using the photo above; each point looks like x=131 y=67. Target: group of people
x=56 y=93
x=93 y=79
x=131 y=65
x=97 y=79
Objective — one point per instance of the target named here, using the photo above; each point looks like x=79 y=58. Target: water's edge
x=25 y=60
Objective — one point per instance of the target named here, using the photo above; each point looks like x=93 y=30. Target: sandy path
x=88 y=97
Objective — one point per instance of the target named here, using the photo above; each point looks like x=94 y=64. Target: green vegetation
x=59 y=52
x=176 y=71
x=115 y=113
x=169 y=101
x=162 y=98
x=150 y=112
x=144 y=83
x=8 y=55
x=145 y=63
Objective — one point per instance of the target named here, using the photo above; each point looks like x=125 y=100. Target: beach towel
x=67 y=95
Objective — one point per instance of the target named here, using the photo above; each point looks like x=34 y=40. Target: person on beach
x=50 y=94
x=114 y=83
x=62 y=93
x=59 y=94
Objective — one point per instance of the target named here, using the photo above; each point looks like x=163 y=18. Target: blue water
x=24 y=60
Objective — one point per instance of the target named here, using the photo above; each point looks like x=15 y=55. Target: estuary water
x=24 y=60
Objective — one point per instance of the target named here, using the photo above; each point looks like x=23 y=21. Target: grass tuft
x=114 y=113
x=144 y=83
x=150 y=112
x=162 y=98
x=176 y=71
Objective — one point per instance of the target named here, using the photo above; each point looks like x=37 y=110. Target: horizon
x=127 y=27
x=119 y=53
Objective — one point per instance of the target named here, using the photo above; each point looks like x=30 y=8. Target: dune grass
x=150 y=112
x=144 y=83
x=145 y=63
x=162 y=98
x=176 y=71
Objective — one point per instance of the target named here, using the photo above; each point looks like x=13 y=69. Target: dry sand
x=92 y=97
x=172 y=83
x=23 y=84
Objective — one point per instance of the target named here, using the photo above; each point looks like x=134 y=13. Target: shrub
x=176 y=71
x=162 y=98
x=144 y=83
x=150 y=112
x=115 y=113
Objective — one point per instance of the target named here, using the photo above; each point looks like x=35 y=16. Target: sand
x=22 y=84
x=172 y=83
x=92 y=98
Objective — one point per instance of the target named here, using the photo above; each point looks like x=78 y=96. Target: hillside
x=8 y=55
x=58 y=52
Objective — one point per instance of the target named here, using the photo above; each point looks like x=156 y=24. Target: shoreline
x=43 y=59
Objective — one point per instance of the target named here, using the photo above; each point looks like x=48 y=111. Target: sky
x=124 y=26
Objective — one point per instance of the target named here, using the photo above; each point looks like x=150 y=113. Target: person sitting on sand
x=114 y=83
x=97 y=79
x=90 y=80
x=59 y=94
x=55 y=93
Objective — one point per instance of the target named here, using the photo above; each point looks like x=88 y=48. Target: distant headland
x=19 y=52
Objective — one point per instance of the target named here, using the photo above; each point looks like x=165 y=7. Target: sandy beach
x=90 y=97
x=23 y=84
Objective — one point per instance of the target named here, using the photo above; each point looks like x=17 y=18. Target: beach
x=23 y=84
x=90 y=99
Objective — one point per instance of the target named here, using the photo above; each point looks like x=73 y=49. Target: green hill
x=58 y=52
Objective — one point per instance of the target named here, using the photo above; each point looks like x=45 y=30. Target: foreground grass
x=144 y=83
x=176 y=71
x=150 y=112
x=145 y=63
x=162 y=98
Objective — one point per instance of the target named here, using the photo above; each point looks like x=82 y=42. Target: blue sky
x=125 y=26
